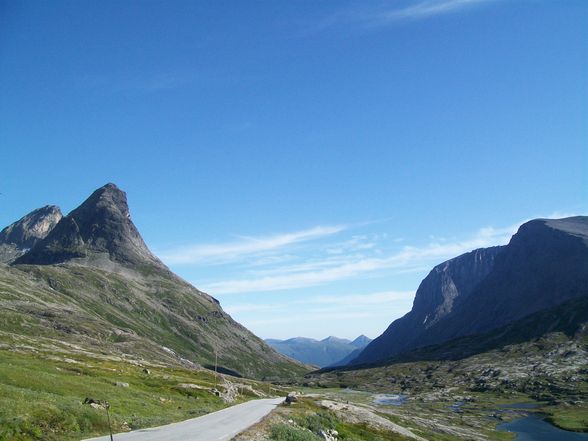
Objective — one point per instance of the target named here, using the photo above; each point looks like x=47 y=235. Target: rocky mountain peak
x=100 y=227
x=26 y=231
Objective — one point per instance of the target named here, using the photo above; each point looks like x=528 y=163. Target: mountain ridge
x=326 y=352
x=93 y=283
x=544 y=265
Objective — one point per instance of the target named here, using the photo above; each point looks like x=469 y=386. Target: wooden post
x=215 y=368
x=108 y=417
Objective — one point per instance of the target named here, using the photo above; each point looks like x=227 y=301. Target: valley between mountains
x=91 y=319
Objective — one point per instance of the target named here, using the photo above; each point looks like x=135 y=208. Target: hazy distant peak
x=333 y=339
x=321 y=353
x=361 y=341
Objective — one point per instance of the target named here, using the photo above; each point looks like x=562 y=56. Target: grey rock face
x=23 y=234
x=446 y=286
x=544 y=265
x=100 y=226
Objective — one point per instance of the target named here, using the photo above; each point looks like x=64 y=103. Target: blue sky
x=305 y=162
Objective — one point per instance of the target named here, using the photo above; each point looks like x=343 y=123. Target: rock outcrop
x=19 y=237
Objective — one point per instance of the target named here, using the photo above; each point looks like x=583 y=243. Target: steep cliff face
x=544 y=265
x=446 y=286
x=450 y=283
x=23 y=234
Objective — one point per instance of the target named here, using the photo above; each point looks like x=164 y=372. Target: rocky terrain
x=17 y=238
x=331 y=351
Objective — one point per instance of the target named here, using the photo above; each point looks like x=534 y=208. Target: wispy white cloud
x=423 y=9
x=319 y=272
x=377 y=306
x=371 y=15
x=245 y=246
x=354 y=301
x=308 y=317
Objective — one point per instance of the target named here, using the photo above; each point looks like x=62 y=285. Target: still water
x=389 y=399
x=533 y=428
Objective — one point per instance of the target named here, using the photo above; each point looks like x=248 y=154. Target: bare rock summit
x=101 y=228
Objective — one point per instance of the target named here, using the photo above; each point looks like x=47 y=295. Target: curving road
x=218 y=426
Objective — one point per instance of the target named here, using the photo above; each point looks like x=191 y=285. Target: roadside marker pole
x=215 y=369
x=108 y=416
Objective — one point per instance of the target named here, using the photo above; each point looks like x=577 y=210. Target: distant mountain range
x=331 y=351
x=87 y=282
x=491 y=297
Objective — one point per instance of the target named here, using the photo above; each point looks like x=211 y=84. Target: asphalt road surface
x=218 y=426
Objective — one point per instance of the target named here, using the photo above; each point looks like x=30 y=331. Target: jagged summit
x=100 y=227
x=23 y=234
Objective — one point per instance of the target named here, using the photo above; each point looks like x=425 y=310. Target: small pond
x=457 y=407
x=533 y=428
x=519 y=406
x=389 y=399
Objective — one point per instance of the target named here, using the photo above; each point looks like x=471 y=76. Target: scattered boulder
x=121 y=384
x=231 y=392
x=329 y=434
x=96 y=404
x=215 y=391
x=291 y=398
x=191 y=386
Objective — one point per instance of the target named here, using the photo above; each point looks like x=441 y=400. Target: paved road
x=218 y=426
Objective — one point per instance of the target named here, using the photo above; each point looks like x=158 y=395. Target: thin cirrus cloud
x=354 y=301
x=330 y=269
x=387 y=13
x=245 y=246
x=331 y=307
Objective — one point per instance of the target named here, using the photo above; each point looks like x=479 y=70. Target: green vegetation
x=309 y=419
x=284 y=432
x=41 y=396
x=549 y=371
x=151 y=315
x=574 y=418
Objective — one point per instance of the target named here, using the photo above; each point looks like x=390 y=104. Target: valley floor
x=442 y=400
x=58 y=393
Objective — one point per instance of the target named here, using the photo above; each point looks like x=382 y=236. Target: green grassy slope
x=42 y=394
x=145 y=314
